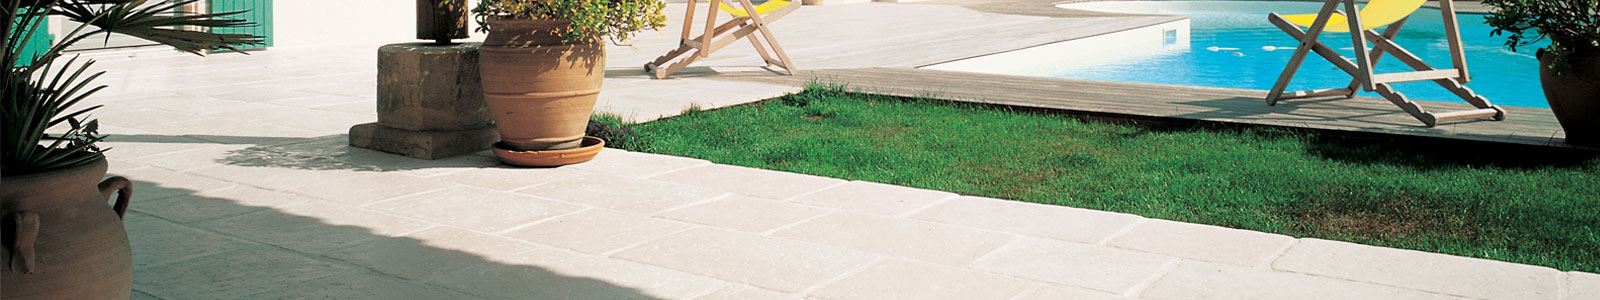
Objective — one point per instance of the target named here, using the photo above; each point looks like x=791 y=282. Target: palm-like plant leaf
x=154 y=23
x=40 y=93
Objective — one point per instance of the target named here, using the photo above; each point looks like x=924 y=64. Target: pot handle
x=22 y=248
x=124 y=189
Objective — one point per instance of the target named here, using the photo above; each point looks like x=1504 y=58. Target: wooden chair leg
x=1300 y=52
x=1377 y=52
x=761 y=25
x=1358 y=40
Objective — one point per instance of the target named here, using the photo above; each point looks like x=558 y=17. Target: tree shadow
x=204 y=245
x=332 y=152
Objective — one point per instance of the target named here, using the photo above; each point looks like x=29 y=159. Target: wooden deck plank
x=1523 y=125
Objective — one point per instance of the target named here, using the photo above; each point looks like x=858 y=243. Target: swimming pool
x=1230 y=44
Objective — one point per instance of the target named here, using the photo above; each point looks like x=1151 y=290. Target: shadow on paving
x=234 y=251
x=330 y=152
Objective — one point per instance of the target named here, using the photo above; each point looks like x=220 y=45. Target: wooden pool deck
x=1360 y=115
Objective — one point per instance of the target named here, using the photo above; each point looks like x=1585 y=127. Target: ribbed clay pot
x=540 y=90
x=1574 y=95
x=61 y=239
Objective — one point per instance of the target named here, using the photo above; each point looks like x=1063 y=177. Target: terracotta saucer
x=550 y=158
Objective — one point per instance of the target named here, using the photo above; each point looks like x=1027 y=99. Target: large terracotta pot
x=540 y=90
x=61 y=239
x=1575 y=95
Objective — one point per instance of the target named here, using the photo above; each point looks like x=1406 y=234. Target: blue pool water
x=1503 y=76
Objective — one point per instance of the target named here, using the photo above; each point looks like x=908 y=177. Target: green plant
x=41 y=92
x=1568 y=24
x=617 y=20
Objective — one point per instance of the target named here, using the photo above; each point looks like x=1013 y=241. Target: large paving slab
x=1056 y=222
x=1100 y=268
x=745 y=213
x=750 y=181
x=1202 y=242
x=895 y=279
x=899 y=237
x=1213 y=281
x=1445 y=274
x=771 y=263
x=872 y=197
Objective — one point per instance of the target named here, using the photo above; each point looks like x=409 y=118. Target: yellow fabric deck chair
x=749 y=22
x=1361 y=25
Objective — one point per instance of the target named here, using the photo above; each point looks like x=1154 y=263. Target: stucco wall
x=300 y=23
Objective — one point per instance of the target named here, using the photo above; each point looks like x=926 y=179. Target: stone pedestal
x=430 y=104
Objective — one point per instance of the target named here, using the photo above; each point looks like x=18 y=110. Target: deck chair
x=1361 y=25
x=749 y=22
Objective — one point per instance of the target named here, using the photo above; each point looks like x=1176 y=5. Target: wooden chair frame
x=715 y=36
x=1362 y=69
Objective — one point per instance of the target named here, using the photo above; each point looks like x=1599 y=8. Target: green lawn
x=1534 y=208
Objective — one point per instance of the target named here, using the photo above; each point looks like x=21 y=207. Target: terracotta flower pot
x=61 y=239
x=540 y=90
x=1574 y=96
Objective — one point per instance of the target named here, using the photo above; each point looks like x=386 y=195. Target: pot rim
x=101 y=161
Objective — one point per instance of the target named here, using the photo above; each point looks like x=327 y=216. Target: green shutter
x=39 y=43
x=256 y=11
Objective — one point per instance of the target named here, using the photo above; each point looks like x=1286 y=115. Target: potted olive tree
x=62 y=240
x=1569 y=69
x=542 y=65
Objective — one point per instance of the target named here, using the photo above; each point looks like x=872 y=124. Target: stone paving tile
x=1057 y=222
x=895 y=279
x=770 y=263
x=745 y=213
x=208 y=205
x=193 y=157
x=1202 y=242
x=1585 y=286
x=1196 y=280
x=475 y=208
x=315 y=227
x=508 y=178
x=876 y=198
x=1056 y=292
x=368 y=188
x=207 y=128
x=354 y=108
x=1100 y=268
x=136 y=145
x=637 y=164
x=233 y=275
x=186 y=104
x=1440 y=273
x=158 y=242
x=749 y=181
x=143 y=117
x=926 y=241
x=622 y=193
x=157 y=183
x=273 y=177
x=742 y=292
x=598 y=230
x=558 y=274
x=428 y=253
x=365 y=286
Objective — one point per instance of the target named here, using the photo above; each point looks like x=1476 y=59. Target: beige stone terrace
x=246 y=189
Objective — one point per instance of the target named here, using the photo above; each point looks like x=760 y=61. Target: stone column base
x=423 y=144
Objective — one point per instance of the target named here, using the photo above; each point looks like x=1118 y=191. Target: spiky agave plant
x=41 y=92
